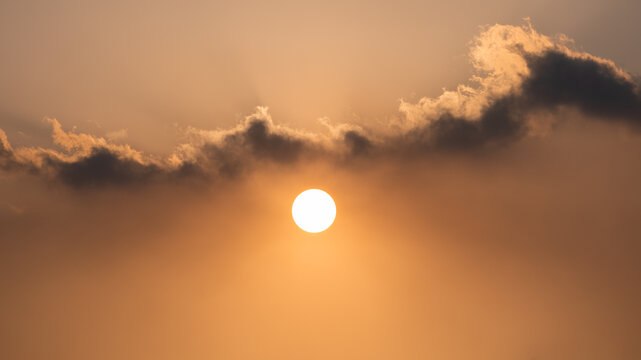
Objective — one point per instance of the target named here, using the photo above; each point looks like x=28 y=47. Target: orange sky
x=146 y=188
x=528 y=254
x=145 y=66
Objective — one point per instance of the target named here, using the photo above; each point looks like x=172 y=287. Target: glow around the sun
x=314 y=210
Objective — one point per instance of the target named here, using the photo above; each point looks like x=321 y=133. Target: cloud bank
x=519 y=74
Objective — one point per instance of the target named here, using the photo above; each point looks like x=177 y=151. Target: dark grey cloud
x=592 y=86
x=103 y=167
x=556 y=79
x=553 y=77
x=227 y=158
x=357 y=143
x=269 y=145
x=500 y=123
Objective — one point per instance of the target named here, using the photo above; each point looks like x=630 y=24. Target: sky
x=483 y=159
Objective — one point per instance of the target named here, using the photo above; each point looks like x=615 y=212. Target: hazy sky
x=146 y=65
x=485 y=170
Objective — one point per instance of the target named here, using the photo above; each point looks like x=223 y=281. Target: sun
x=314 y=210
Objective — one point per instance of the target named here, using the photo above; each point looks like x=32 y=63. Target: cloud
x=86 y=161
x=595 y=87
x=6 y=152
x=519 y=72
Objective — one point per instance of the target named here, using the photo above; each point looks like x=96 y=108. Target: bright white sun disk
x=314 y=210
